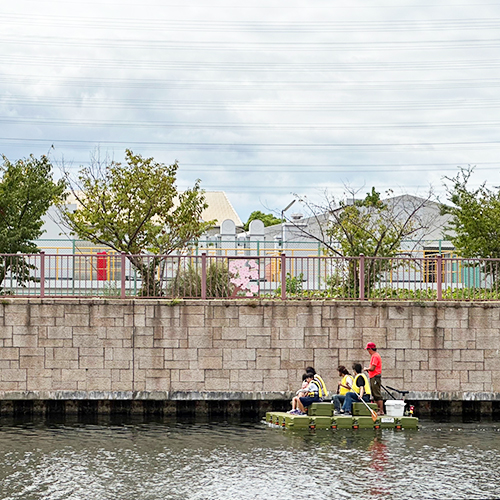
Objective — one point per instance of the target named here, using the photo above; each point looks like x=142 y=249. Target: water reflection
x=171 y=459
x=378 y=465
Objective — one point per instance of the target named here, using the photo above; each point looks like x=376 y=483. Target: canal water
x=183 y=460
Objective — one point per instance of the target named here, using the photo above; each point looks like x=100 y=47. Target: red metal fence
x=239 y=276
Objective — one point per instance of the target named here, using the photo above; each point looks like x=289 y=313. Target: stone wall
x=154 y=349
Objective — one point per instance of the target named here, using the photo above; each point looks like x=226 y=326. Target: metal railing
x=231 y=247
x=438 y=277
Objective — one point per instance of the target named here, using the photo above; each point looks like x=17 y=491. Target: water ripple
x=204 y=461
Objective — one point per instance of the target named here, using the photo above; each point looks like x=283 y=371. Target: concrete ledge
x=214 y=396
x=142 y=396
x=453 y=396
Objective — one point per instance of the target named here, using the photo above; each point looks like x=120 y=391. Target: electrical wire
x=282 y=85
x=261 y=145
x=190 y=25
x=257 y=6
x=78 y=122
x=105 y=102
x=274 y=46
x=251 y=67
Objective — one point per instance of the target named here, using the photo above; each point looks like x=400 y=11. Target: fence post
x=122 y=276
x=439 y=276
x=204 y=275
x=42 y=274
x=283 y=276
x=362 y=277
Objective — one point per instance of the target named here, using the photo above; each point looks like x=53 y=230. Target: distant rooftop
x=219 y=207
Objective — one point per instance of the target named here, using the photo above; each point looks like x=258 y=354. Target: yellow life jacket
x=323 y=392
x=318 y=385
x=355 y=387
x=343 y=391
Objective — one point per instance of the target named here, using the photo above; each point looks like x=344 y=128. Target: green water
x=166 y=459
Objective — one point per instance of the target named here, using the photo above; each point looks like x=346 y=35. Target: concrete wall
x=140 y=349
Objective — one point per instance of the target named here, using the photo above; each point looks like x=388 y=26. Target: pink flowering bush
x=242 y=272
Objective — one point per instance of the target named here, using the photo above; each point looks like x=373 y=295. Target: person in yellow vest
x=323 y=391
x=344 y=386
x=360 y=390
x=303 y=400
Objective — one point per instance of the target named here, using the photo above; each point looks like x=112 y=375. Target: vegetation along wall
x=154 y=349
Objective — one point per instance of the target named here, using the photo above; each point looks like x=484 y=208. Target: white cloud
x=260 y=100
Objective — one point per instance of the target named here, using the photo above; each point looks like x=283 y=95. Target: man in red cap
x=375 y=374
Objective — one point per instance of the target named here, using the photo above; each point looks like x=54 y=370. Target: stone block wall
x=96 y=348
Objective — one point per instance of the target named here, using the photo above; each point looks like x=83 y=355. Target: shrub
x=293 y=285
x=187 y=282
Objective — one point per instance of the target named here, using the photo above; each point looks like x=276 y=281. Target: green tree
x=27 y=190
x=267 y=219
x=370 y=227
x=474 y=227
x=136 y=208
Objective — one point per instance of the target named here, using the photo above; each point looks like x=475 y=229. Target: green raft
x=321 y=416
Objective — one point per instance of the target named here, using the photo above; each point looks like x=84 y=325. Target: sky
x=266 y=99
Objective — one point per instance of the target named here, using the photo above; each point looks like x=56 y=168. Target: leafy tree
x=475 y=217
x=267 y=219
x=370 y=227
x=27 y=190
x=474 y=227
x=136 y=208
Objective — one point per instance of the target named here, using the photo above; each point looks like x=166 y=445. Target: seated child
x=306 y=396
x=301 y=392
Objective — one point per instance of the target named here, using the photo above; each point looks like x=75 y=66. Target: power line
x=128 y=24
x=333 y=165
x=227 y=85
x=255 y=6
x=233 y=126
x=259 y=145
x=306 y=169
x=274 y=46
x=196 y=104
x=245 y=105
x=274 y=67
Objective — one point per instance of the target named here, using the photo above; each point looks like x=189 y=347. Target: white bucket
x=395 y=407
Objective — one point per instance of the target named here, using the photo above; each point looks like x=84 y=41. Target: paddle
x=386 y=390
x=374 y=415
x=403 y=393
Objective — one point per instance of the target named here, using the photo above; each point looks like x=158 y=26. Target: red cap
x=370 y=345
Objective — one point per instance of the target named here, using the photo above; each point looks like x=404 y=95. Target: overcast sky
x=261 y=99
